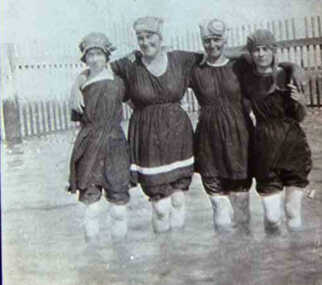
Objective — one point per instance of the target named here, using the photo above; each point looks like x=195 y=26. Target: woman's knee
x=177 y=199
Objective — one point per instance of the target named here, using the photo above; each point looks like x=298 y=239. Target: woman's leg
x=119 y=221
x=222 y=212
x=161 y=215
x=177 y=216
x=221 y=205
x=178 y=209
x=240 y=204
x=272 y=205
x=91 y=222
x=293 y=205
x=239 y=198
x=90 y=198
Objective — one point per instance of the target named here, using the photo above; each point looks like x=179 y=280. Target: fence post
x=10 y=121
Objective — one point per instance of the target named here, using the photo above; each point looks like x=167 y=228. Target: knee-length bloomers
x=100 y=156
x=221 y=137
x=160 y=132
x=280 y=153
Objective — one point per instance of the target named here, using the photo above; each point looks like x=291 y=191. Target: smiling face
x=149 y=43
x=96 y=59
x=214 y=47
x=263 y=57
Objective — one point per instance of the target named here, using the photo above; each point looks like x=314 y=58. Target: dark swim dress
x=221 y=137
x=280 y=153
x=160 y=132
x=100 y=158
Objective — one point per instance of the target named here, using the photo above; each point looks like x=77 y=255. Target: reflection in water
x=44 y=242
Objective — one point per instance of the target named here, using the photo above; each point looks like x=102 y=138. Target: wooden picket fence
x=49 y=76
x=45 y=117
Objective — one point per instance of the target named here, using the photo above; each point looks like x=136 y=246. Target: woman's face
x=263 y=56
x=214 y=47
x=149 y=43
x=96 y=58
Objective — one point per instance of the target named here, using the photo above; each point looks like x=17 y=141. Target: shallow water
x=43 y=241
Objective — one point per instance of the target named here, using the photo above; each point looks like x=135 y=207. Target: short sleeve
x=188 y=59
x=122 y=66
x=119 y=67
x=121 y=88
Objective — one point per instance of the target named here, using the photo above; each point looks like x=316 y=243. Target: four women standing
x=160 y=133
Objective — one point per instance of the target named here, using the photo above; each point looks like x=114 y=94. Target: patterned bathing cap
x=95 y=40
x=148 y=24
x=261 y=37
x=213 y=28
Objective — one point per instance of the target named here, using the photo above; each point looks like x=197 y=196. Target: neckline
x=106 y=73
x=265 y=74
x=166 y=68
x=218 y=64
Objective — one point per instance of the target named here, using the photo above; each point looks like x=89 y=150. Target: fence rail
x=45 y=117
x=35 y=87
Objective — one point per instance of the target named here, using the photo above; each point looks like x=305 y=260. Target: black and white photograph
x=161 y=142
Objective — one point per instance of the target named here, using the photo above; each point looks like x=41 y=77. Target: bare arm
x=76 y=101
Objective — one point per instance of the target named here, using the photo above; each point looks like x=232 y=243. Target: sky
x=65 y=22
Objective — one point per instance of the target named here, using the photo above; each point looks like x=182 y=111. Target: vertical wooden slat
x=293 y=29
x=187 y=40
x=302 y=56
x=31 y=118
x=53 y=104
x=314 y=87
x=319 y=26
x=287 y=30
x=318 y=20
x=25 y=120
x=21 y=119
x=49 y=117
x=37 y=118
x=237 y=37
x=66 y=113
x=244 y=34
x=20 y=127
x=306 y=48
x=313 y=27
x=177 y=42
x=249 y=30
x=274 y=30
x=183 y=43
x=310 y=89
x=319 y=89
x=255 y=27
x=280 y=29
x=60 y=115
x=233 y=39
x=43 y=117
x=193 y=44
x=193 y=41
x=306 y=27
x=313 y=47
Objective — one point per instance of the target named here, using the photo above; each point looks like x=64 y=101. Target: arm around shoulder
x=76 y=101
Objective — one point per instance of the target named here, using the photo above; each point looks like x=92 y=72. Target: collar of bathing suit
x=106 y=73
x=205 y=61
